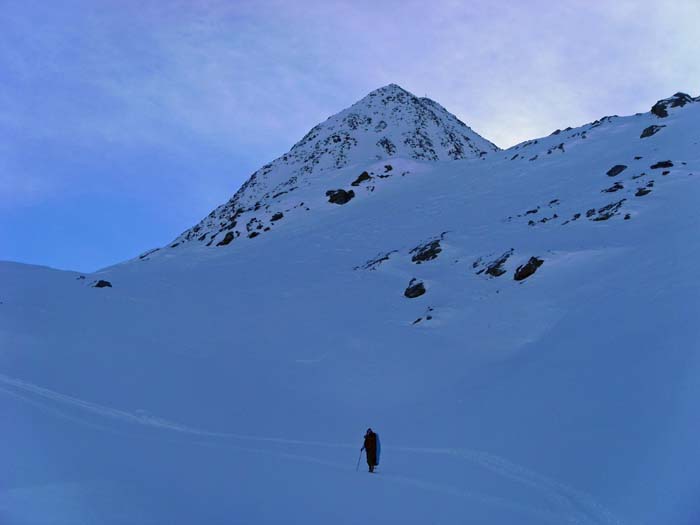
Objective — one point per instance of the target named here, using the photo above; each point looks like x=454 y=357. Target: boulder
x=102 y=284
x=651 y=130
x=527 y=269
x=226 y=240
x=616 y=170
x=360 y=179
x=340 y=196
x=662 y=164
x=414 y=289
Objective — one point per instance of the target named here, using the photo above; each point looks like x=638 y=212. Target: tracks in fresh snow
x=577 y=506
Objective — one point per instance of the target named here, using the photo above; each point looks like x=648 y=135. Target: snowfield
x=225 y=382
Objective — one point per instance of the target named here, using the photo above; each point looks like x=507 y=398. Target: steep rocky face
x=389 y=122
x=660 y=109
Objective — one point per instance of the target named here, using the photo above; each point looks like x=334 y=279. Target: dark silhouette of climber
x=370 y=447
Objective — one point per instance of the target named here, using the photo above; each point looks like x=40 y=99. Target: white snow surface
x=233 y=383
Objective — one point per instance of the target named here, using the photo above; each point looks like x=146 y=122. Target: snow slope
x=233 y=383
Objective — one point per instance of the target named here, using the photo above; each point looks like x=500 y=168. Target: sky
x=123 y=123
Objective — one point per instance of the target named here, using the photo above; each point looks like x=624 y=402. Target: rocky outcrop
x=660 y=109
x=360 y=179
x=414 y=289
x=651 y=130
x=427 y=251
x=226 y=240
x=495 y=268
x=527 y=269
x=102 y=284
x=607 y=211
x=340 y=196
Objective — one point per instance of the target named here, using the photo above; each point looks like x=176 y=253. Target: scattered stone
x=360 y=179
x=373 y=263
x=253 y=235
x=665 y=172
x=642 y=191
x=615 y=187
x=662 y=164
x=651 y=130
x=277 y=216
x=227 y=239
x=414 y=289
x=627 y=216
x=495 y=268
x=608 y=211
x=590 y=213
x=340 y=196
x=102 y=284
x=388 y=168
x=638 y=158
x=526 y=270
x=149 y=252
x=426 y=252
x=616 y=170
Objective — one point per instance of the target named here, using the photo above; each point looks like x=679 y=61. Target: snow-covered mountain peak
x=387 y=123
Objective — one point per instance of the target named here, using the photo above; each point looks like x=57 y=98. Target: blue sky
x=122 y=123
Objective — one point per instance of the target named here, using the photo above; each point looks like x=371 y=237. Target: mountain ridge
x=520 y=330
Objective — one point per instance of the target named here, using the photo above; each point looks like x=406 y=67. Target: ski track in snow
x=586 y=510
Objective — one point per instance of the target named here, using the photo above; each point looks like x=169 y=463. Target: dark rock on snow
x=616 y=170
x=102 y=284
x=226 y=240
x=426 y=252
x=360 y=179
x=527 y=269
x=415 y=289
x=642 y=191
x=340 y=196
x=660 y=109
x=651 y=130
x=495 y=268
x=662 y=164
x=608 y=210
x=615 y=187
x=277 y=216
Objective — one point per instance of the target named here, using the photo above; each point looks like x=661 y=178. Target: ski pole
x=358 y=462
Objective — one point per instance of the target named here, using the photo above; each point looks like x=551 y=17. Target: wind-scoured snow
x=546 y=369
